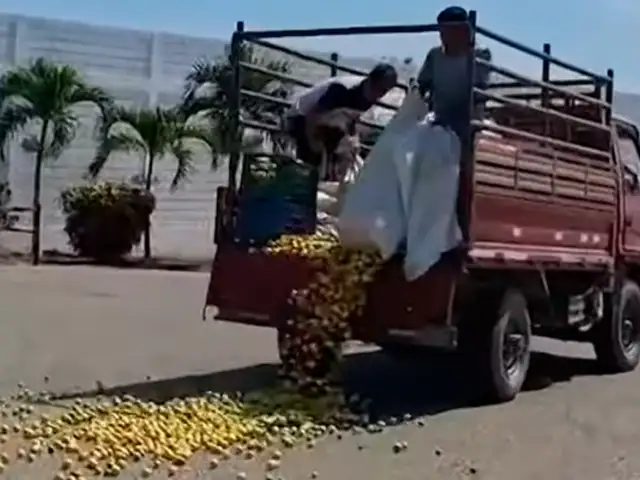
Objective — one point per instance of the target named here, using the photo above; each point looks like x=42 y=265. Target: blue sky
x=594 y=33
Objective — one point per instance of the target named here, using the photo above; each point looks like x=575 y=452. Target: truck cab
x=628 y=156
x=549 y=202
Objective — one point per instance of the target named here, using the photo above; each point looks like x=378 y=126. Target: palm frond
x=83 y=93
x=14 y=115
x=50 y=90
x=202 y=72
x=63 y=131
x=16 y=82
x=96 y=96
x=206 y=136
x=184 y=157
x=199 y=106
x=156 y=132
x=121 y=141
x=220 y=75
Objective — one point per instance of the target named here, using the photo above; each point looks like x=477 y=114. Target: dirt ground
x=69 y=329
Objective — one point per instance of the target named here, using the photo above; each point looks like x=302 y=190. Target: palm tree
x=43 y=93
x=208 y=91
x=152 y=133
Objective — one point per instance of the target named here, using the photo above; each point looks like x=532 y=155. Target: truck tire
x=498 y=347
x=616 y=338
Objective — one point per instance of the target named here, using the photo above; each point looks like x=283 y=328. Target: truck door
x=629 y=158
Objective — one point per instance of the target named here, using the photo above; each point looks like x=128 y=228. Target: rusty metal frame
x=547 y=90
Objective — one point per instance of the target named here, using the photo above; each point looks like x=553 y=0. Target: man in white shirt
x=322 y=116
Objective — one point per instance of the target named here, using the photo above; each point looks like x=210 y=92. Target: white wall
x=138 y=68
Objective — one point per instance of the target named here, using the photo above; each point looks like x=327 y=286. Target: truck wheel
x=500 y=346
x=616 y=338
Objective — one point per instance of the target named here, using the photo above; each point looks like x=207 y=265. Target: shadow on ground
x=429 y=385
x=55 y=257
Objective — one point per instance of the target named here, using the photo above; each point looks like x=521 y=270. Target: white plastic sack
x=373 y=213
x=428 y=162
x=331 y=195
x=407 y=191
x=328 y=199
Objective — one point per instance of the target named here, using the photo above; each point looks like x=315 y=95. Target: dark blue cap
x=383 y=71
x=452 y=14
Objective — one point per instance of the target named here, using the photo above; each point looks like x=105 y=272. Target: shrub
x=105 y=220
x=5 y=200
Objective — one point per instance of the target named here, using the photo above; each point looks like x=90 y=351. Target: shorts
x=330 y=138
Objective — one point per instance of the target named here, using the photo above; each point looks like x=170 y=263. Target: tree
x=208 y=91
x=152 y=133
x=43 y=93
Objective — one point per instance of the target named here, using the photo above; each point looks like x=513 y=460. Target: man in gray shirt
x=444 y=73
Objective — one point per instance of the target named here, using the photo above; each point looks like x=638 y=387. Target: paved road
x=66 y=328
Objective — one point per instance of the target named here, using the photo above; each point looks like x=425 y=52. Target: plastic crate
x=278 y=195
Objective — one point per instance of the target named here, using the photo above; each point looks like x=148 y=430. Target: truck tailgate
x=252 y=287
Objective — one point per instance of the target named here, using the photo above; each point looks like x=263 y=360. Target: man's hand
x=349 y=145
x=340 y=118
x=313 y=139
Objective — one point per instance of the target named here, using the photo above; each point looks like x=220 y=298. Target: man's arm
x=483 y=72
x=331 y=99
x=425 y=75
x=334 y=97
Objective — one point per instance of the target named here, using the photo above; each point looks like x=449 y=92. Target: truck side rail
x=556 y=126
x=583 y=102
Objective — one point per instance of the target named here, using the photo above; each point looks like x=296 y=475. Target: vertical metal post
x=609 y=97
x=326 y=171
x=546 y=73
x=235 y=127
x=235 y=106
x=471 y=65
x=546 y=100
x=465 y=193
x=608 y=113
x=334 y=69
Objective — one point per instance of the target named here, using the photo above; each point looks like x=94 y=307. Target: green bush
x=105 y=220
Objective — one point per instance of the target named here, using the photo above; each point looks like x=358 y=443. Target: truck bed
x=252 y=287
x=538 y=204
x=529 y=211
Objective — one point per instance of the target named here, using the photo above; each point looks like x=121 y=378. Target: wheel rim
x=630 y=328
x=515 y=345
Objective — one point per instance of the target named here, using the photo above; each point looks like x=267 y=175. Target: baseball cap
x=383 y=71
x=452 y=14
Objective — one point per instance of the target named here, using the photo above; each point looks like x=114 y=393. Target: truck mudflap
x=251 y=287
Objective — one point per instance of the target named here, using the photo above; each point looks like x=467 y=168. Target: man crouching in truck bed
x=321 y=117
x=444 y=73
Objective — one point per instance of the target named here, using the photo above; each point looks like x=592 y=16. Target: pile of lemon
x=108 y=436
x=311 y=340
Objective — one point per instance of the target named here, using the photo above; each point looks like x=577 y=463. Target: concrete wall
x=138 y=68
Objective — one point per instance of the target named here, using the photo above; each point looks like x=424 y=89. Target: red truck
x=549 y=203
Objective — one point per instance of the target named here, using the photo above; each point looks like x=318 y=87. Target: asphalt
x=73 y=329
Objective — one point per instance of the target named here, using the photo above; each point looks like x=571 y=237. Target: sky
x=596 y=34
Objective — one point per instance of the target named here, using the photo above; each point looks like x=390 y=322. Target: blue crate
x=259 y=220
x=282 y=203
